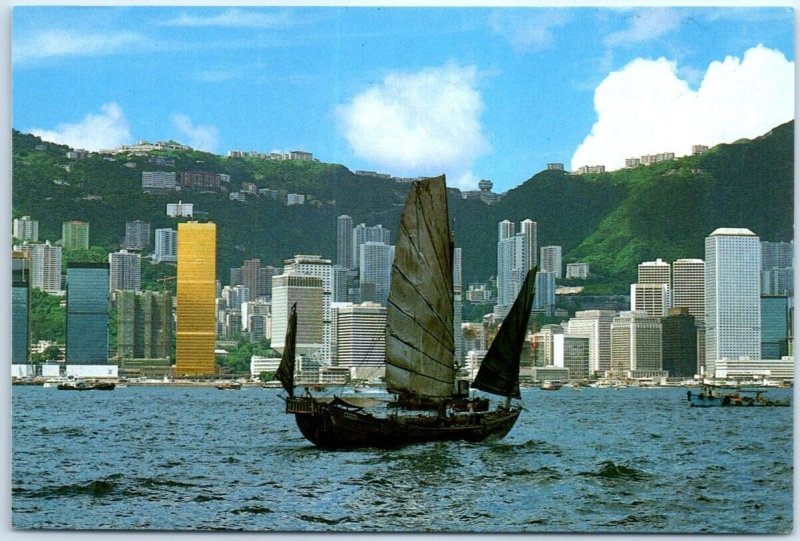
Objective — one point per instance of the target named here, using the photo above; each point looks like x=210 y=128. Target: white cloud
x=646 y=108
x=61 y=43
x=201 y=137
x=108 y=129
x=422 y=123
x=646 y=24
x=234 y=18
x=528 y=29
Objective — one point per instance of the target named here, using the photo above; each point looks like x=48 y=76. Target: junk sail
x=419 y=337
x=285 y=373
x=499 y=371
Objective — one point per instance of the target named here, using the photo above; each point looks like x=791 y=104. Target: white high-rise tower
x=733 y=294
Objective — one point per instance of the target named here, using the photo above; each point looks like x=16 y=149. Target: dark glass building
x=87 y=313
x=20 y=308
x=679 y=343
x=774 y=326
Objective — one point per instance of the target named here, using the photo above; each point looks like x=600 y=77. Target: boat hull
x=335 y=426
x=703 y=400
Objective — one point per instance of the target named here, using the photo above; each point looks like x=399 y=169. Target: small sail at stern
x=285 y=373
x=499 y=371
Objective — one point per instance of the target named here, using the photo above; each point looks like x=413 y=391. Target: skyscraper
x=654 y=272
x=137 y=235
x=688 y=286
x=25 y=229
x=651 y=298
x=733 y=300
x=306 y=291
x=679 y=343
x=20 y=307
x=362 y=234
x=166 y=245
x=596 y=325
x=774 y=326
x=125 y=271
x=144 y=328
x=550 y=260
x=515 y=257
x=196 y=294
x=344 y=242
x=375 y=264
x=252 y=278
x=87 y=313
x=458 y=333
x=635 y=344
x=75 y=235
x=45 y=266
x=361 y=336
x=314 y=265
x=545 y=297
x=777 y=272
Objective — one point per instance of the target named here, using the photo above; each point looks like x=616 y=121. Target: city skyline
x=323 y=76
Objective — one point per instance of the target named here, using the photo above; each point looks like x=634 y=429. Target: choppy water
x=594 y=460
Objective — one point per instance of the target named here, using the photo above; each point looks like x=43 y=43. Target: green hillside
x=612 y=221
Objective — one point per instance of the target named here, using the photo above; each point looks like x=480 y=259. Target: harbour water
x=589 y=461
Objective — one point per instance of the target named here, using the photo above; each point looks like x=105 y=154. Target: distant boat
x=420 y=361
x=81 y=385
x=229 y=386
x=709 y=398
x=550 y=386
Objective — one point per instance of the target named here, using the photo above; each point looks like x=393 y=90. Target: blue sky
x=471 y=92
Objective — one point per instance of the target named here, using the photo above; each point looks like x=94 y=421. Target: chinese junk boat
x=420 y=363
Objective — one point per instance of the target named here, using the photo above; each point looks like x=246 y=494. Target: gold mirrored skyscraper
x=197 y=263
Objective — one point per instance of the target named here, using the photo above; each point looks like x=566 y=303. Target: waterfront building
x=307 y=292
x=652 y=298
x=679 y=343
x=550 y=351
x=24 y=229
x=750 y=370
x=774 y=326
x=144 y=324
x=45 y=266
x=595 y=325
x=361 y=335
x=578 y=270
x=75 y=235
x=125 y=271
x=733 y=299
x=575 y=355
x=635 y=345
x=158 y=181
x=196 y=299
x=20 y=307
x=550 y=260
x=87 y=313
x=375 y=264
x=516 y=255
x=137 y=235
x=344 y=242
x=166 y=245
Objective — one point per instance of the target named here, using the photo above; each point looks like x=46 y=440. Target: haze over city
x=470 y=92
